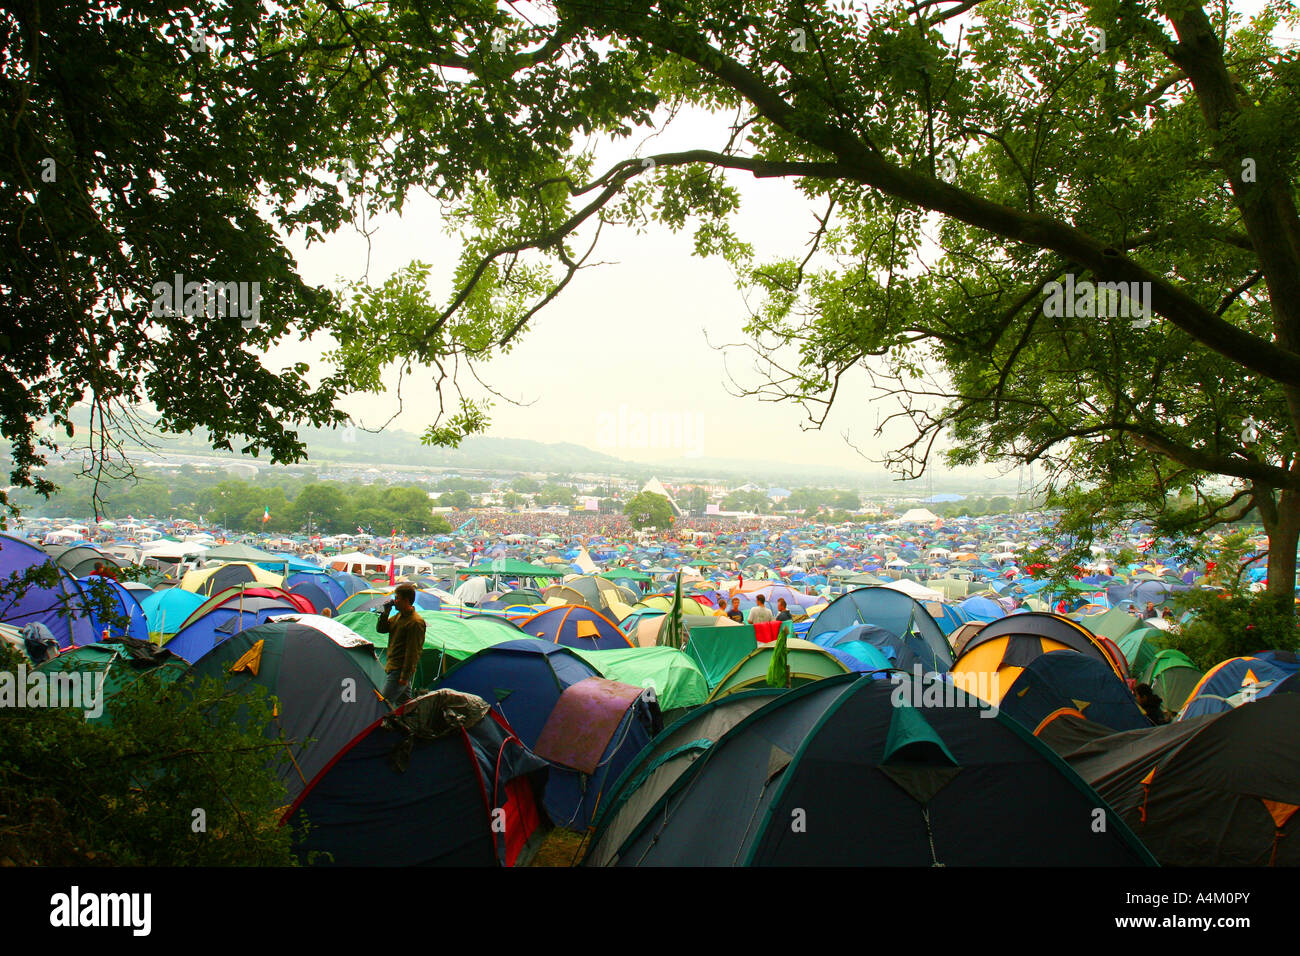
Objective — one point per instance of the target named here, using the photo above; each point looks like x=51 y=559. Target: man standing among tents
x=405 y=643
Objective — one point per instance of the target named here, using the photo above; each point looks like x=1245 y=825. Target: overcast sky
x=627 y=345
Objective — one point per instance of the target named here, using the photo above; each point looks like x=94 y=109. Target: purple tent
x=61 y=608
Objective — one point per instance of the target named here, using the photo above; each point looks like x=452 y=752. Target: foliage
x=133 y=152
x=555 y=494
x=76 y=793
x=1233 y=625
x=955 y=168
x=647 y=509
x=755 y=501
x=456 y=499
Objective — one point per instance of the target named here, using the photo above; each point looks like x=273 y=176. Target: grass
x=559 y=849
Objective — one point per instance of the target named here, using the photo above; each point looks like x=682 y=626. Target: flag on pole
x=392 y=577
x=266 y=514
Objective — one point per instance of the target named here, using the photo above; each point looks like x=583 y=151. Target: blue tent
x=950 y=617
x=294 y=563
x=574 y=625
x=862 y=657
x=1070 y=681
x=328 y=584
x=165 y=611
x=1228 y=678
x=890 y=610
x=982 y=609
x=319 y=598
x=352 y=583
x=880 y=648
x=523 y=681
x=61 y=607
x=222 y=623
x=120 y=602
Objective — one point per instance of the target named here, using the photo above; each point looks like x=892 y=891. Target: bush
x=1234 y=625
x=181 y=778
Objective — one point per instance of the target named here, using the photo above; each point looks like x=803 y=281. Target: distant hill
x=485 y=453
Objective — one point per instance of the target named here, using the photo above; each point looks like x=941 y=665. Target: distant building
x=655 y=486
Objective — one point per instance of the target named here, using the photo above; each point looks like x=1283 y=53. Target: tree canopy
x=960 y=157
x=646 y=509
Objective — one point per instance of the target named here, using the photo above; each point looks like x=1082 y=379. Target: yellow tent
x=215 y=579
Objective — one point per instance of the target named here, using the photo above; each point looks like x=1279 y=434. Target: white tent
x=412 y=565
x=358 y=562
x=916 y=516
x=173 y=549
x=912 y=589
x=583 y=560
x=473 y=590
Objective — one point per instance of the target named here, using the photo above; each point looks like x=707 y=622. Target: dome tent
x=1217 y=790
x=464 y=793
x=660 y=764
x=531 y=684
x=890 y=610
x=876 y=783
x=306 y=663
x=994 y=657
x=61 y=607
x=1070 y=682
x=575 y=625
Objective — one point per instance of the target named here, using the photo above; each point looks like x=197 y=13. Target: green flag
x=672 y=632
x=778 y=672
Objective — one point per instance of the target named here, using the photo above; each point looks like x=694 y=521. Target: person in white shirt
x=759 y=613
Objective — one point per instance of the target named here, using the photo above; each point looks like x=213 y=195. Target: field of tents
x=926 y=700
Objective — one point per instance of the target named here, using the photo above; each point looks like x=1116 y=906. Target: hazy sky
x=627 y=359
x=626 y=344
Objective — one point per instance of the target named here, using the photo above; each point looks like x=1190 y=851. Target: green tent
x=716 y=650
x=625 y=574
x=447 y=639
x=514 y=568
x=240 y=552
x=1113 y=624
x=806 y=661
x=866 y=579
x=950 y=588
x=114 y=671
x=1140 y=647
x=1173 y=676
x=675 y=677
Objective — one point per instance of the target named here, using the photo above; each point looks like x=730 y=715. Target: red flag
x=392 y=578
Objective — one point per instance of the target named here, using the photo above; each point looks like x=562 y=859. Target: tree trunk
x=1282 y=522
